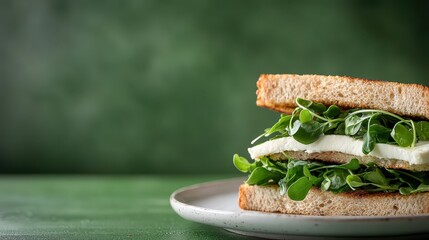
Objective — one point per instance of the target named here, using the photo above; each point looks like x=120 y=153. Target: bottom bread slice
x=326 y=203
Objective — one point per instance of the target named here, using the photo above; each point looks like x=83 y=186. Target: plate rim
x=182 y=190
x=179 y=205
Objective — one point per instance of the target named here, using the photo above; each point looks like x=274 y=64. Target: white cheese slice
x=344 y=144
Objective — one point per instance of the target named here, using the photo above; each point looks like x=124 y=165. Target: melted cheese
x=344 y=144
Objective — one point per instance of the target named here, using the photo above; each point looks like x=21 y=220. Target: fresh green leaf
x=376 y=176
x=338 y=178
x=351 y=165
x=305 y=116
x=354 y=181
x=307 y=133
x=280 y=126
x=313 y=179
x=281 y=165
x=294 y=172
x=422 y=130
x=316 y=181
x=304 y=103
x=406 y=190
x=318 y=108
x=411 y=176
x=375 y=134
x=262 y=176
x=353 y=124
x=299 y=189
x=327 y=127
x=273 y=166
x=265 y=161
x=382 y=134
x=294 y=163
x=332 y=112
x=341 y=129
x=325 y=184
x=306 y=171
x=295 y=127
x=369 y=141
x=242 y=164
x=402 y=135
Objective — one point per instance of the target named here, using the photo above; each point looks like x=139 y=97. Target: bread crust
x=326 y=203
x=279 y=91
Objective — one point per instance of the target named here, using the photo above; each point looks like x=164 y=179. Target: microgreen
x=309 y=121
x=402 y=134
x=295 y=178
x=422 y=130
x=242 y=164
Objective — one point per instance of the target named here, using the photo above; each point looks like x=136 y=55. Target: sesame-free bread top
x=326 y=203
x=279 y=92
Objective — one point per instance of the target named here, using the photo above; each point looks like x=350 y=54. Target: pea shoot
x=309 y=121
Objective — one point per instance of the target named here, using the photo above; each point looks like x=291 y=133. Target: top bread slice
x=279 y=92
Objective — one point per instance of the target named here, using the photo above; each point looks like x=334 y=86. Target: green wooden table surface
x=98 y=207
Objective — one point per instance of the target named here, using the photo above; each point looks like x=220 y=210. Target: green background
x=169 y=86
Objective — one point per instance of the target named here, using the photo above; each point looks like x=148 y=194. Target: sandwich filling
x=418 y=155
x=361 y=133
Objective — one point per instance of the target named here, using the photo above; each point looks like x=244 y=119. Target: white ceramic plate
x=215 y=203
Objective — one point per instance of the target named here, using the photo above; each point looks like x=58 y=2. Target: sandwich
x=342 y=147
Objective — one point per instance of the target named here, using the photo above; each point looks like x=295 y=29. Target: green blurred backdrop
x=169 y=86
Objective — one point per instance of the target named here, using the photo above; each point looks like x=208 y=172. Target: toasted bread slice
x=326 y=203
x=279 y=92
